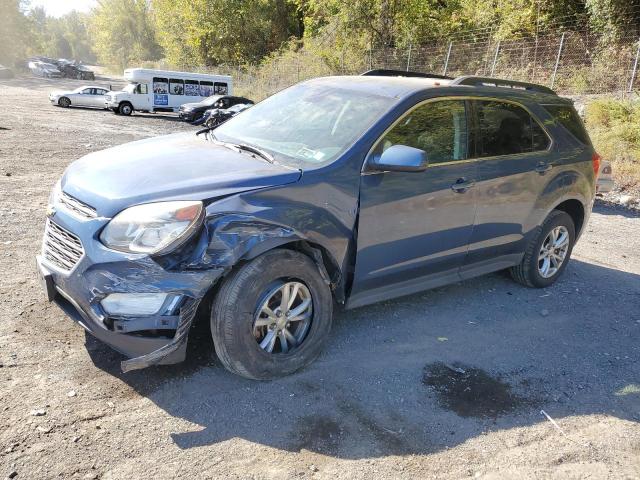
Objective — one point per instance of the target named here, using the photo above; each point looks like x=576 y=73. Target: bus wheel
x=125 y=108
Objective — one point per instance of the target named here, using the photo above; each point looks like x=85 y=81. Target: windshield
x=130 y=88
x=306 y=125
x=210 y=100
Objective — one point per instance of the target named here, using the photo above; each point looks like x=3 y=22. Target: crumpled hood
x=179 y=166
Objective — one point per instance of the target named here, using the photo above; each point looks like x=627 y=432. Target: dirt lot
x=445 y=384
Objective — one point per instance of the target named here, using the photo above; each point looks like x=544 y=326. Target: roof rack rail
x=500 y=82
x=382 y=72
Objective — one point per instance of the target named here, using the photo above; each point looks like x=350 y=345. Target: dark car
x=191 y=112
x=79 y=72
x=340 y=189
x=217 y=116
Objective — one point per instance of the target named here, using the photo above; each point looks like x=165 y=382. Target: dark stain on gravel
x=317 y=433
x=471 y=392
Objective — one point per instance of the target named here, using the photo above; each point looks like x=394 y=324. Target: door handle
x=543 y=167
x=462 y=185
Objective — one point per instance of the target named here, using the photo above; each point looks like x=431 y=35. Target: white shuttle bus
x=164 y=90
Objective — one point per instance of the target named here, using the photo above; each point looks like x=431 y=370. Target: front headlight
x=152 y=228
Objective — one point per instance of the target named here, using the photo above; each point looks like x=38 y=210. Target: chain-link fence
x=567 y=57
x=570 y=62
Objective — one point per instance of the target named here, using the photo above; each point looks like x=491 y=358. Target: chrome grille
x=60 y=247
x=76 y=206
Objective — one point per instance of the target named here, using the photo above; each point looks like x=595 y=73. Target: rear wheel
x=64 y=102
x=272 y=316
x=125 y=108
x=548 y=253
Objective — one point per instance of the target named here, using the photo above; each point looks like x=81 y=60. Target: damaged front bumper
x=150 y=339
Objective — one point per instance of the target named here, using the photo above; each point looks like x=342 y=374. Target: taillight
x=595 y=159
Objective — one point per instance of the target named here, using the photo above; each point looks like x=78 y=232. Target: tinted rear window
x=508 y=129
x=567 y=116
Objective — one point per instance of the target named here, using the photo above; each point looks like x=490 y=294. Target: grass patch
x=614 y=128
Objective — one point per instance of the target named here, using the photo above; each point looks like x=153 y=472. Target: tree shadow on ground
x=422 y=373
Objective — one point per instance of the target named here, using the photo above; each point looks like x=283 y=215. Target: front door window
x=439 y=128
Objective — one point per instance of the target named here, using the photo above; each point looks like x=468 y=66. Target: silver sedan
x=87 y=96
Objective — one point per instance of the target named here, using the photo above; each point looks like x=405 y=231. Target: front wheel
x=64 y=102
x=548 y=253
x=125 y=109
x=272 y=316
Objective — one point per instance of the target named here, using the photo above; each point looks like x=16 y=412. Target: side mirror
x=400 y=158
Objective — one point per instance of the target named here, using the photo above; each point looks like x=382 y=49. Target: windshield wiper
x=239 y=146
x=258 y=151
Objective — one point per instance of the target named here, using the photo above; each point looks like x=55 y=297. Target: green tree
x=616 y=19
x=13 y=31
x=123 y=32
x=210 y=32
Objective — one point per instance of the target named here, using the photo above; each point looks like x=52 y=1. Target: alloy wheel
x=553 y=251
x=283 y=318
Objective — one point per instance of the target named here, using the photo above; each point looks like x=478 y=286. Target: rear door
x=513 y=151
x=414 y=227
x=100 y=92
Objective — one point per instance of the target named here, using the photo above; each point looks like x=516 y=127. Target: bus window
x=160 y=85
x=192 y=88
x=176 y=86
x=206 y=89
x=220 y=88
x=141 y=88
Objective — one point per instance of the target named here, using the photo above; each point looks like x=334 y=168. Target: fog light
x=133 y=303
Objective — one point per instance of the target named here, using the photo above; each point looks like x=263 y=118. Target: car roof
x=401 y=87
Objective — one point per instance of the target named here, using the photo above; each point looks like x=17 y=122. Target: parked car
x=340 y=189
x=191 y=112
x=80 y=72
x=217 y=116
x=5 y=72
x=46 y=70
x=605 y=182
x=85 y=96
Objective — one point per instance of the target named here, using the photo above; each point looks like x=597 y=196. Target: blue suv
x=346 y=190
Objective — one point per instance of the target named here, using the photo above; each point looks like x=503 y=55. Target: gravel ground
x=449 y=383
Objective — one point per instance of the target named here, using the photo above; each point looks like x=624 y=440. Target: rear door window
x=439 y=128
x=567 y=116
x=507 y=129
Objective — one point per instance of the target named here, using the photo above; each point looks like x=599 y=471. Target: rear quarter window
x=567 y=116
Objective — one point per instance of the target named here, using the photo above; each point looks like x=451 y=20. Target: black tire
x=527 y=272
x=64 y=102
x=125 y=108
x=236 y=303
